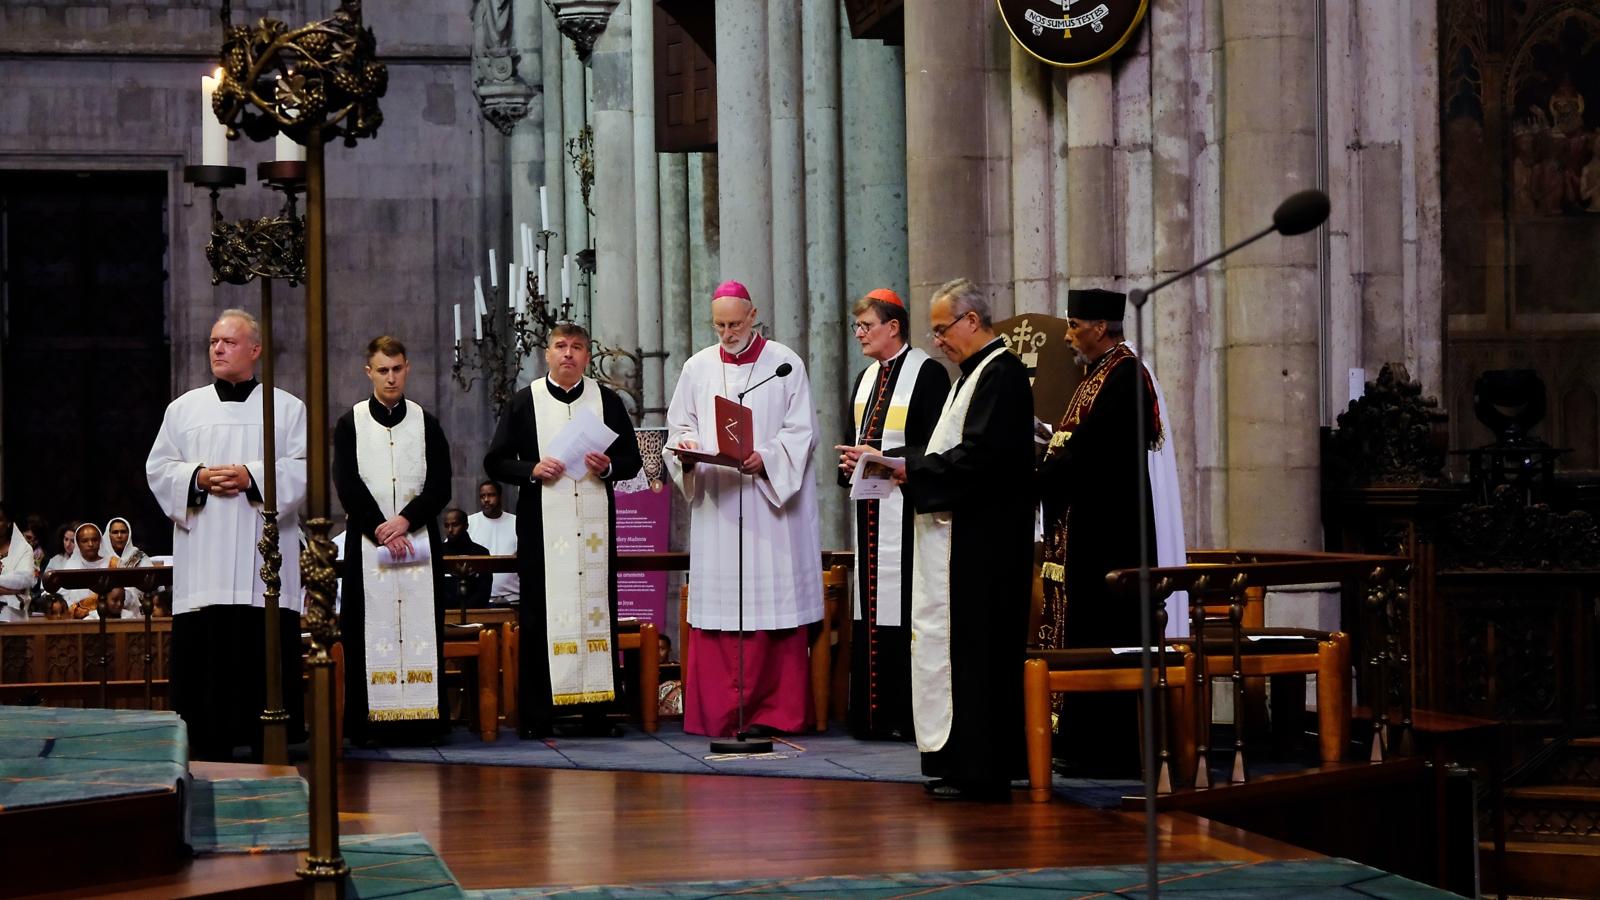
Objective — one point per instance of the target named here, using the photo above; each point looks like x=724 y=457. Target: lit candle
x=544 y=211
x=213 y=134
x=287 y=150
x=566 y=284
x=494 y=280
x=458 y=325
x=479 y=308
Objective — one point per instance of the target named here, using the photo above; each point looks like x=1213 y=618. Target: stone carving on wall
x=1390 y=435
x=503 y=94
x=582 y=21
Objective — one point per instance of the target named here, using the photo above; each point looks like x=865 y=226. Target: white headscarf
x=130 y=555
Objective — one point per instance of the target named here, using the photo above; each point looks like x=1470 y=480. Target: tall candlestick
x=494 y=280
x=544 y=211
x=286 y=150
x=458 y=325
x=213 y=134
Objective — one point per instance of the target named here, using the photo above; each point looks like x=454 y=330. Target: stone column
x=574 y=116
x=873 y=159
x=676 y=309
x=647 y=209
x=1273 y=366
x=826 y=361
x=1092 y=218
x=1032 y=225
x=615 y=321
x=744 y=152
x=705 y=244
x=555 y=156
x=785 y=101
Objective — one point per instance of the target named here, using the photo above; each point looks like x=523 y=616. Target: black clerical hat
x=1095 y=304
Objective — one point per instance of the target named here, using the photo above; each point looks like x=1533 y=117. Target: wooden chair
x=642 y=637
x=480 y=646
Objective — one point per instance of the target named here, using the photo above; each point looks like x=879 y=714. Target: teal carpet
x=1324 y=879
x=248 y=815
x=50 y=755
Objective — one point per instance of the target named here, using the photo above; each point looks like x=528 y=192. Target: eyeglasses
x=938 y=331
x=863 y=327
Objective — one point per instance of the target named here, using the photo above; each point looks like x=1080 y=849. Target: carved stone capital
x=582 y=21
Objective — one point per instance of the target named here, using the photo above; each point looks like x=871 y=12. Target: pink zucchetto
x=731 y=289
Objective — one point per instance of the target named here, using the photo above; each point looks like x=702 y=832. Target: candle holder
x=497 y=358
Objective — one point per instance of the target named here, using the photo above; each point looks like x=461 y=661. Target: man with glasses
x=778 y=549
x=972 y=490
x=897 y=401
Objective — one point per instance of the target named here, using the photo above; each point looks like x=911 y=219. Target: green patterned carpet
x=50 y=755
x=1326 y=879
x=248 y=815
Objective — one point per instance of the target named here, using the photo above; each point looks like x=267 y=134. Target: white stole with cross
x=577 y=563
x=402 y=659
x=932 y=698
x=891 y=509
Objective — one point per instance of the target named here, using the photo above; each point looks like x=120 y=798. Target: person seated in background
x=56 y=608
x=64 y=546
x=457 y=542
x=35 y=529
x=122 y=555
x=16 y=570
x=116 y=606
x=83 y=601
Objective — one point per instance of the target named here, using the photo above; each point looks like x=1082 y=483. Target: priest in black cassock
x=391 y=467
x=566 y=537
x=897 y=400
x=972 y=489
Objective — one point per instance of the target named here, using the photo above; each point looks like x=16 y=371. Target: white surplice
x=782 y=544
x=499 y=537
x=16 y=574
x=214 y=546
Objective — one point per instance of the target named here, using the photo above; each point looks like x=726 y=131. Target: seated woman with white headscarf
x=16 y=569
x=86 y=555
x=123 y=554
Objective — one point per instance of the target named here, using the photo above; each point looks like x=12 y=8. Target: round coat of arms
x=1072 y=33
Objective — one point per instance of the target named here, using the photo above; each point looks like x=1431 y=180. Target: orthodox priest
x=777 y=545
x=205 y=469
x=972 y=489
x=1088 y=486
x=391 y=467
x=566 y=538
x=897 y=400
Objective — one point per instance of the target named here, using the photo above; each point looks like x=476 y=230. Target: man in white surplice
x=782 y=559
x=205 y=470
x=16 y=570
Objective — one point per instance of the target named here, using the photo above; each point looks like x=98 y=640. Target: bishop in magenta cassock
x=780 y=545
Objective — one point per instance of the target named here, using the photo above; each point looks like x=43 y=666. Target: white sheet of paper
x=420 y=552
x=878 y=485
x=583 y=435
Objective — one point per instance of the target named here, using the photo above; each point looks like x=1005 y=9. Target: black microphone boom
x=783 y=370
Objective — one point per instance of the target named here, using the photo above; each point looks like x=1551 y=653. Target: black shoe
x=756 y=729
x=981 y=792
x=934 y=785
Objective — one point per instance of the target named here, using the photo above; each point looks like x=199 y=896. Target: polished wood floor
x=521 y=827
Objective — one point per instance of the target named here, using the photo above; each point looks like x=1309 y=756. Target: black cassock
x=986 y=483
x=880 y=655
x=510 y=460
x=363 y=518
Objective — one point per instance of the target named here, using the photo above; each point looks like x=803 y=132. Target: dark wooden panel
x=882 y=20
x=686 y=78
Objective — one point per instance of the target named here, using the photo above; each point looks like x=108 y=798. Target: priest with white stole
x=391 y=469
x=566 y=536
x=778 y=546
x=205 y=469
x=897 y=400
x=972 y=489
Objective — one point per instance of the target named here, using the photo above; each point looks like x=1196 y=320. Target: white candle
x=566 y=284
x=458 y=325
x=544 y=211
x=479 y=308
x=287 y=150
x=522 y=291
x=544 y=274
x=527 y=245
x=213 y=135
x=511 y=286
x=494 y=280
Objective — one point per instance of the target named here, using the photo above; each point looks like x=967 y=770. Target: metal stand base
x=742 y=744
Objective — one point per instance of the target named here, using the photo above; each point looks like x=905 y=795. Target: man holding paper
x=778 y=547
x=565 y=441
x=897 y=400
x=391 y=468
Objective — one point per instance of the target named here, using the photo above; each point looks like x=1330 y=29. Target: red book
x=735 y=441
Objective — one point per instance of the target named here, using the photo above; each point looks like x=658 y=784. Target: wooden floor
x=523 y=827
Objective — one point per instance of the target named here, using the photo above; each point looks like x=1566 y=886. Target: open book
x=735 y=441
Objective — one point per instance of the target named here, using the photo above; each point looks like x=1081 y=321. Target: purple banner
x=644 y=512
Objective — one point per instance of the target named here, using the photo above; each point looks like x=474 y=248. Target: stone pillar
x=526 y=144
x=676 y=309
x=1273 y=365
x=874 y=164
x=826 y=361
x=555 y=156
x=615 y=316
x=574 y=116
x=785 y=101
x=647 y=210
x=744 y=152
x=1032 y=226
x=1092 y=217
x=705 y=244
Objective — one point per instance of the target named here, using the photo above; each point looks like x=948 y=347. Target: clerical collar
x=971 y=362
x=231 y=392
x=385 y=416
x=561 y=393
x=748 y=355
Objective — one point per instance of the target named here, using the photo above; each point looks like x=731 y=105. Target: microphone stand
x=742 y=742
x=1290 y=222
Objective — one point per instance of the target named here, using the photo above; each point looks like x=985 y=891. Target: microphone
x=1301 y=213
x=783 y=371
